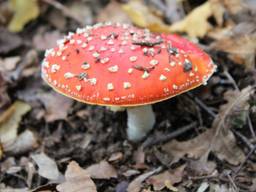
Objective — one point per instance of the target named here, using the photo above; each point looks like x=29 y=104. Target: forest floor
x=203 y=140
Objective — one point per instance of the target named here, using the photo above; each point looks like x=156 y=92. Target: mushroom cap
x=121 y=65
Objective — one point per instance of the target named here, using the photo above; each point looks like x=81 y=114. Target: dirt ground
x=203 y=141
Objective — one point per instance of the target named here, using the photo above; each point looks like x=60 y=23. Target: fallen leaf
x=47 y=167
x=141 y=15
x=195 y=24
x=241 y=49
x=135 y=185
x=9 y=63
x=56 y=105
x=221 y=141
x=131 y=172
x=224 y=147
x=77 y=180
x=46 y=40
x=170 y=176
x=9 y=121
x=201 y=166
x=26 y=141
x=8 y=41
x=24 y=12
x=193 y=148
x=4 y=188
x=116 y=156
x=102 y=170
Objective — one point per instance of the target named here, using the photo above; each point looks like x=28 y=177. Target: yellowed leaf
x=195 y=24
x=24 y=11
x=9 y=121
x=143 y=17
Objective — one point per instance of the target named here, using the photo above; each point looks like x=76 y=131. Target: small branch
x=251 y=126
x=244 y=139
x=253 y=150
x=164 y=138
x=201 y=104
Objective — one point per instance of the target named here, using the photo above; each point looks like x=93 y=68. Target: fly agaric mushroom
x=120 y=65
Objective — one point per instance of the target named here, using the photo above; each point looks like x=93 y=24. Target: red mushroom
x=120 y=65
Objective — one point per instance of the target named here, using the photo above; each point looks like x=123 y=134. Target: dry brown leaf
x=193 y=148
x=102 y=170
x=135 y=185
x=9 y=121
x=47 y=166
x=195 y=24
x=141 y=15
x=223 y=142
x=26 y=141
x=241 y=49
x=217 y=139
x=170 y=176
x=113 y=12
x=56 y=105
x=9 y=63
x=201 y=166
x=116 y=156
x=4 y=188
x=224 y=147
x=77 y=180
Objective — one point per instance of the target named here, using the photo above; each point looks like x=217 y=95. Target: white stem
x=140 y=121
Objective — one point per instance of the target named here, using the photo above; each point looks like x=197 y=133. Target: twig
x=201 y=104
x=251 y=126
x=232 y=182
x=253 y=150
x=231 y=79
x=64 y=9
x=214 y=174
x=164 y=138
x=244 y=139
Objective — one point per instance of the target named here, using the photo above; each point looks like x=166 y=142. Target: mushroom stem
x=140 y=121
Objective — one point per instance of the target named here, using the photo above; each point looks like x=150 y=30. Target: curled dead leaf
x=9 y=122
x=47 y=166
x=170 y=176
x=77 y=180
x=135 y=185
x=102 y=170
x=56 y=105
